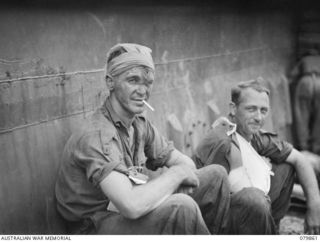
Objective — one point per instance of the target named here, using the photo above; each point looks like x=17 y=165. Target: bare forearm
x=145 y=198
x=134 y=201
x=307 y=180
x=309 y=184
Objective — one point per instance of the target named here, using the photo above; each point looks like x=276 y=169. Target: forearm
x=145 y=198
x=307 y=180
x=134 y=201
x=309 y=185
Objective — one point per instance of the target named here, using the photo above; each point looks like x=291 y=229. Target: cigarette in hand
x=148 y=105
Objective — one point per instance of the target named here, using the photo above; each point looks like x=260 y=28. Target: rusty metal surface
x=199 y=52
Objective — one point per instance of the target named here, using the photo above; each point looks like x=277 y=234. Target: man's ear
x=232 y=108
x=109 y=82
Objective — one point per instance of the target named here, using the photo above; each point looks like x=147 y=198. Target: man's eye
x=132 y=80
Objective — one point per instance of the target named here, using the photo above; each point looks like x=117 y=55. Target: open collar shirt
x=216 y=148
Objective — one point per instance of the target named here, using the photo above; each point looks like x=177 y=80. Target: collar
x=108 y=111
x=234 y=140
x=233 y=135
x=110 y=114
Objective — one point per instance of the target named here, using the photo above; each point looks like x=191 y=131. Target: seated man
x=260 y=196
x=101 y=187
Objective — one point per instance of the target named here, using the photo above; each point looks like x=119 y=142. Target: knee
x=251 y=199
x=217 y=172
x=179 y=203
x=288 y=169
x=177 y=206
x=214 y=178
x=285 y=170
x=183 y=202
x=181 y=214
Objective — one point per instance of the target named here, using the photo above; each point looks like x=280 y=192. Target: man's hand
x=187 y=174
x=312 y=220
x=185 y=189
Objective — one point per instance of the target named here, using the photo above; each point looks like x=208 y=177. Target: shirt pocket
x=111 y=148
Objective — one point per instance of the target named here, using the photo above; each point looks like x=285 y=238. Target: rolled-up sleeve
x=157 y=148
x=269 y=145
x=97 y=154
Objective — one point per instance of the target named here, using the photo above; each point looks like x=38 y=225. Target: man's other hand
x=312 y=220
x=187 y=174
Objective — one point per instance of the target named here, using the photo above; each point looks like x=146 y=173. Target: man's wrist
x=313 y=203
x=177 y=170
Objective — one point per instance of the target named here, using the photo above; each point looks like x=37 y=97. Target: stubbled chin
x=138 y=110
x=255 y=129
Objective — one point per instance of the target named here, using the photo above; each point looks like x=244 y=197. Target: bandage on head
x=125 y=56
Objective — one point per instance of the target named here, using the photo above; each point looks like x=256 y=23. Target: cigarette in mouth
x=148 y=105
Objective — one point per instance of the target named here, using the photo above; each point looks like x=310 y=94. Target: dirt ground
x=292 y=223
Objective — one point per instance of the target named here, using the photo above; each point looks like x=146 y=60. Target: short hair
x=255 y=84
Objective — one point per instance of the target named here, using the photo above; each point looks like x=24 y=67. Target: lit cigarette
x=148 y=105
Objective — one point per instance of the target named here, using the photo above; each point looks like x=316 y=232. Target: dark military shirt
x=102 y=145
x=215 y=148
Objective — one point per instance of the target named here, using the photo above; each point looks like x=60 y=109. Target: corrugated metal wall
x=51 y=78
x=308 y=31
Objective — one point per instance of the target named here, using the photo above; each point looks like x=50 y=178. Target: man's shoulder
x=221 y=130
x=98 y=121
x=216 y=138
x=214 y=147
x=264 y=136
x=95 y=125
x=269 y=144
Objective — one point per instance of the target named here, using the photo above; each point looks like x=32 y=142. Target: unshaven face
x=131 y=88
x=251 y=112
